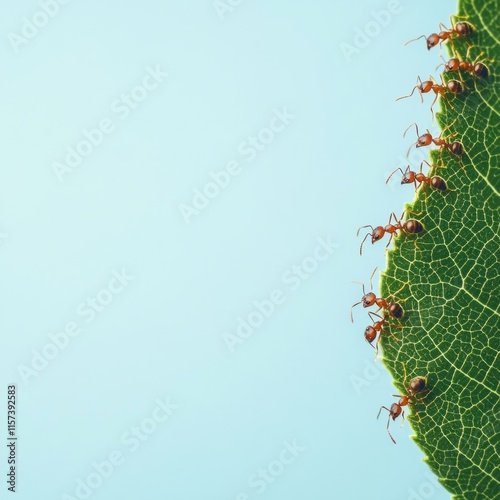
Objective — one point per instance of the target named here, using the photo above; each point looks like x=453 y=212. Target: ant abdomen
x=395 y=310
x=463 y=29
x=413 y=226
x=417 y=384
x=438 y=183
x=456 y=148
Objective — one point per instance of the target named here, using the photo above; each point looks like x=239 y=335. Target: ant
x=369 y=299
x=371 y=331
x=410 y=176
x=476 y=68
x=410 y=226
x=426 y=139
x=417 y=385
x=452 y=86
x=460 y=29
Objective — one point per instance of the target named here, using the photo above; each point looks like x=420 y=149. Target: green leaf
x=451 y=322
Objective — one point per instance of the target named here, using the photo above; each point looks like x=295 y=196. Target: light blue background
x=323 y=176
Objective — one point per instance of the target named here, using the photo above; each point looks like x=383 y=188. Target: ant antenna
x=414 y=40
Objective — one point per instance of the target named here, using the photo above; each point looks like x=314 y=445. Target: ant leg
x=431 y=166
x=380 y=411
x=389 y=242
x=424 y=192
x=388 y=431
x=479 y=57
x=432 y=105
x=408 y=211
x=456 y=16
x=371 y=277
x=442 y=27
x=393 y=216
x=371 y=313
x=414 y=240
x=376 y=346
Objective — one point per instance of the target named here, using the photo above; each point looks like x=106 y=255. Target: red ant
x=452 y=86
x=459 y=29
x=417 y=385
x=410 y=176
x=426 y=139
x=371 y=331
x=369 y=299
x=410 y=226
x=476 y=68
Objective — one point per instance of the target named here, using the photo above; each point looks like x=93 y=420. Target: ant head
x=395 y=411
x=481 y=70
x=370 y=334
x=413 y=226
x=378 y=233
x=452 y=65
x=426 y=86
x=463 y=28
x=417 y=384
x=424 y=140
x=368 y=299
x=408 y=177
x=456 y=148
x=432 y=41
x=455 y=87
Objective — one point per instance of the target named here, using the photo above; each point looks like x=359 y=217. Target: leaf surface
x=451 y=323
